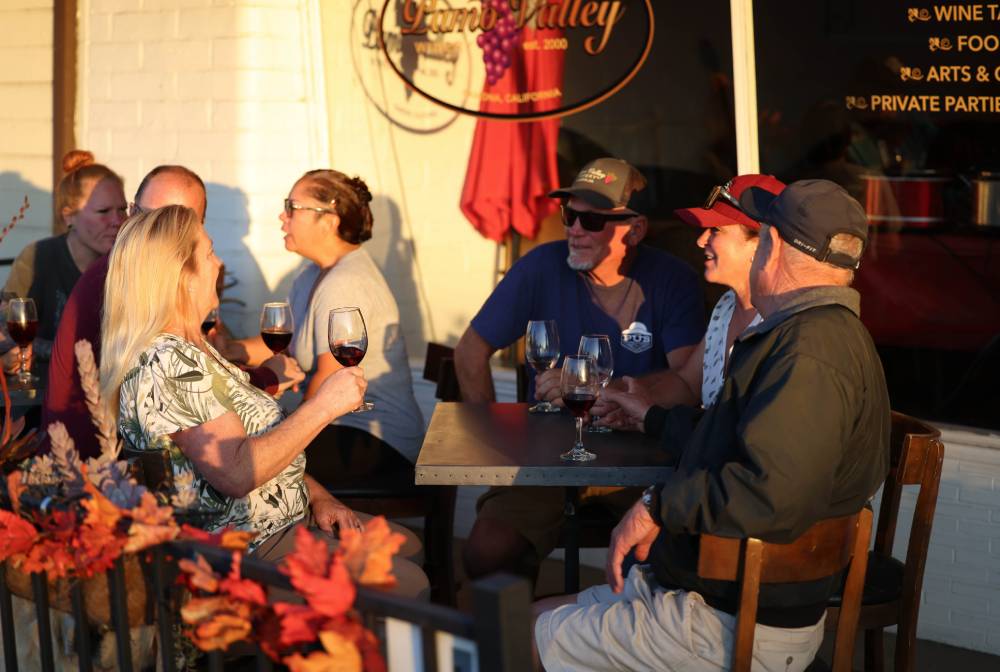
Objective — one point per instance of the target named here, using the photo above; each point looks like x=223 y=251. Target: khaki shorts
x=537 y=513
x=648 y=628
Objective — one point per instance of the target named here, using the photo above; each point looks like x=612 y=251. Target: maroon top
x=81 y=319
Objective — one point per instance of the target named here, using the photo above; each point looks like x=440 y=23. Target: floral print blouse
x=176 y=386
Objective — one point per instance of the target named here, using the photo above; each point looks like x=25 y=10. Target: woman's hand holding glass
x=343 y=391
x=632 y=405
x=287 y=370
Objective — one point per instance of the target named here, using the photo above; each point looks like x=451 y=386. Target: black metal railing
x=499 y=625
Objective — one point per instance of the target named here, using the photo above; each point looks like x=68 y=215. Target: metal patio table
x=502 y=444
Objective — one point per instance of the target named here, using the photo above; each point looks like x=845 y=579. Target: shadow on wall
x=37 y=222
x=228 y=224
x=394 y=254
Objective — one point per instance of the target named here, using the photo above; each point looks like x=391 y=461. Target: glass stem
x=579 y=434
x=22 y=374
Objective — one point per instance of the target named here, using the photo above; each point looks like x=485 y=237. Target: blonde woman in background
x=175 y=395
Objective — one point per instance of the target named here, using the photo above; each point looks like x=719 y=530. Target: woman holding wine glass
x=729 y=241
x=178 y=399
x=90 y=201
x=326 y=219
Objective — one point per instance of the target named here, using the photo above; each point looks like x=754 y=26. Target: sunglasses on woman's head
x=592 y=221
x=291 y=206
x=721 y=193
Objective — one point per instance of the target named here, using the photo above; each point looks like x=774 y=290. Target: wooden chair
x=892 y=588
x=823 y=550
x=392 y=497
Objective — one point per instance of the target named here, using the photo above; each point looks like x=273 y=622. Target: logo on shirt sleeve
x=637 y=338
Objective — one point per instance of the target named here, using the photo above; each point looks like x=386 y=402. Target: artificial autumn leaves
x=229 y=609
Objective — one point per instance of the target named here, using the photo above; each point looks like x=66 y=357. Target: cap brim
x=756 y=202
x=591 y=197
x=721 y=214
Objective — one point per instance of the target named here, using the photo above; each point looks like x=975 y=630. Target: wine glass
x=598 y=346
x=22 y=325
x=210 y=320
x=541 y=349
x=579 y=392
x=348 y=340
x=276 y=325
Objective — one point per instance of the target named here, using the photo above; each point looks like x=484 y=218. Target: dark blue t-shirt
x=541 y=286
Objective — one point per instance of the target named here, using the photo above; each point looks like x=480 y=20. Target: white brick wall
x=961 y=597
x=26 y=120
x=222 y=88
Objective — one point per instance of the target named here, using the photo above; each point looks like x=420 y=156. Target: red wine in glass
x=579 y=404
x=347 y=354
x=277 y=340
x=348 y=339
x=22 y=325
x=23 y=333
x=276 y=326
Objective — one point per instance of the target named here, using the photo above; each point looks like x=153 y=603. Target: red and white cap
x=723 y=213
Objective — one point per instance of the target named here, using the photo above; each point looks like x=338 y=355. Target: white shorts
x=648 y=628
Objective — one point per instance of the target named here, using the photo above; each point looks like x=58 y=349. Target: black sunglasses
x=721 y=193
x=592 y=221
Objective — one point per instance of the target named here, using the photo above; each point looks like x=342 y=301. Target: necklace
x=597 y=299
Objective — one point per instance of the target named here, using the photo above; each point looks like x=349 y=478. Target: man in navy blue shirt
x=601 y=280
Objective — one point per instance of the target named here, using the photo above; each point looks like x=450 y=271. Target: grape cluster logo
x=602 y=44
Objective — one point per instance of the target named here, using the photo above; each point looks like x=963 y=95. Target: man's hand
x=328 y=511
x=632 y=405
x=636 y=530
x=548 y=386
x=288 y=371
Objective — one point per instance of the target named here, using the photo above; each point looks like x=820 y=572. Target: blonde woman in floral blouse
x=176 y=396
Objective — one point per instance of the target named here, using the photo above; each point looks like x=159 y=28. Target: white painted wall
x=25 y=121
x=237 y=92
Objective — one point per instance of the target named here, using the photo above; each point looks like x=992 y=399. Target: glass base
x=25 y=382
x=364 y=407
x=578 y=454
x=598 y=429
x=544 y=407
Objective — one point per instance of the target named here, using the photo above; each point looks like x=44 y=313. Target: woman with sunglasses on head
x=729 y=242
x=90 y=200
x=326 y=220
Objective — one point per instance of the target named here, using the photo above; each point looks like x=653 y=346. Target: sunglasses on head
x=721 y=193
x=591 y=221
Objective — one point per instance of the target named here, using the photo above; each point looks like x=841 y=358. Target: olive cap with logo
x=606 y=184
x=808 y=214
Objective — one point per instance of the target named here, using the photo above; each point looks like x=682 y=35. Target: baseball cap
x=607 y=184
x=808 y=214
x=723 y=213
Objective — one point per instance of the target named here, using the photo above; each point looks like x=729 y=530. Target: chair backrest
x=439 y=367
x=823 y=550
x=917 y=455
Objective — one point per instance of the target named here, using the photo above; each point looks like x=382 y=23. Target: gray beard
x=579 y=265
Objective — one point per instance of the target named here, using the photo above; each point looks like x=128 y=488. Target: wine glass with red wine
x=22 y=325
x=210 y=321
x=579 y=385
x=541 y=349
x=349 y=341
x=276 y=326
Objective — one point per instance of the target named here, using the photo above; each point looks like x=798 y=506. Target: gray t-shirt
x=355 y=280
